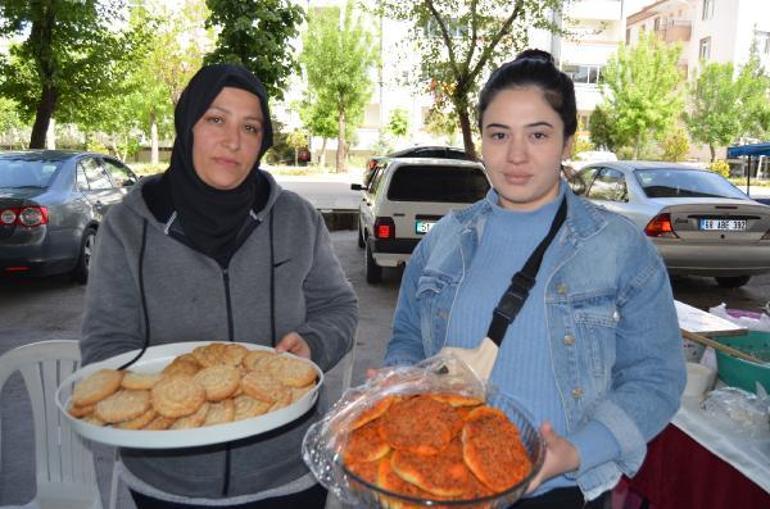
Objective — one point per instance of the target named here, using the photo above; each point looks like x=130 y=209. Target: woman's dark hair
x=534 y=67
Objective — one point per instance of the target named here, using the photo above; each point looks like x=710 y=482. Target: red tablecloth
x=679 y=473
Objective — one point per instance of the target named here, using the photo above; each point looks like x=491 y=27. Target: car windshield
x=438 y=184
x=682 y=183
x=18 y=172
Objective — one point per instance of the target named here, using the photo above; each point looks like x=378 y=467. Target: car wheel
x=361 y=240
x=732 y=281
x=80 y=274
x=372 y=270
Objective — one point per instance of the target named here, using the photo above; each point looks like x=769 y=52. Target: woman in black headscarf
x=214 y=249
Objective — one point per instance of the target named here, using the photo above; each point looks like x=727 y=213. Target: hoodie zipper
x=228 y=457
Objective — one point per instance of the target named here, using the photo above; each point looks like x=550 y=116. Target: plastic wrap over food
x=740 y=411
x=323 y=447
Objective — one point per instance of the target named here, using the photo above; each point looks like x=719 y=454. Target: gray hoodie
x=190 y=297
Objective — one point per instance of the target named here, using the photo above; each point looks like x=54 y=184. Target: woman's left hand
x=293 y=343
x=560 y=457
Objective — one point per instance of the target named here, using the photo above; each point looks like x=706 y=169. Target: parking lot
x=35 y=310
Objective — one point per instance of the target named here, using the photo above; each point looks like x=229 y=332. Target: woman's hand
x=293 y=343
x=560 y=457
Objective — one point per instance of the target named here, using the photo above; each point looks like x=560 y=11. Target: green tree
x=71 y=55
x=642 y=89
x=676 y=145
x=603 y=133
x=320 y=119
x=458 y=41
x=398 y=123
x=337 y=57
x=257 y=34
x=297 y=139
x=725 y=105
x=11 y=124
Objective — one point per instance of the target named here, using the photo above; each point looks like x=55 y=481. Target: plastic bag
x=739 y=411
x=324 y=442
x=746 y=319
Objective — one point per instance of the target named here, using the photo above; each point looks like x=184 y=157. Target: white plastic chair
x=66 y=478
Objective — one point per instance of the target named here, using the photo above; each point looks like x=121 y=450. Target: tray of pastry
x=188 y=394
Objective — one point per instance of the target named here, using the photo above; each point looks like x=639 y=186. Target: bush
x=720 y=167
x=676 y=145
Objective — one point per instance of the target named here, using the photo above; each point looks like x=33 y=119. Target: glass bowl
x=373 y=496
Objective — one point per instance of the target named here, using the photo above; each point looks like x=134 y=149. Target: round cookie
x=246 y=407
x=261 y=386
x=133 y=380
x=220 y=381
x=124 y=405
x=220 y=412
x=96 y=387
x=290 y=370
x=194 y=420
x=177 y=396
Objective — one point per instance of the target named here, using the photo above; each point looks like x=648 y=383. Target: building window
x=583 y=74
x=704 y=50
x=708 y=9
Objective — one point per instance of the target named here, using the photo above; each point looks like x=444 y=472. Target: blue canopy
x=757 y=149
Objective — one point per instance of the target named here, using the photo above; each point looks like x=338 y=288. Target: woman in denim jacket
x=595 y=353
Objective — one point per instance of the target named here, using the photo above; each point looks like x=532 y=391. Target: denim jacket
x=615 y=345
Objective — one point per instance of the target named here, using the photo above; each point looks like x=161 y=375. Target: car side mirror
x=357 y=187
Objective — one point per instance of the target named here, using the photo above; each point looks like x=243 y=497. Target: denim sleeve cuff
x=595 y=445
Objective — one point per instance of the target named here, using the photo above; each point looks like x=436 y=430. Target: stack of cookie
x=435 y=446
x=214 y=384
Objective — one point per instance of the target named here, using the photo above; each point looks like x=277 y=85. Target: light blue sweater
x=523 y=369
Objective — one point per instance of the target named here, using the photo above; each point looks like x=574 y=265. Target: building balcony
x=677 y=30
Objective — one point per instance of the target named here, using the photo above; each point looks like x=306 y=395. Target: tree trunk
x=50 y=135
x=40 y=37
x=460 y=103
x=296 y=156
x=341 y=146
x=713 y=152
x=322 y=157
x=44 y=111
x=154 y=152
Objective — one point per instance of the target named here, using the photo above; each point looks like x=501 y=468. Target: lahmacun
x=365 y=444
x=96 y=387
x=443 y=474
x=185 y=394
x=373 y=412
x=417 y=464
x=420 y=424
x=493 y=450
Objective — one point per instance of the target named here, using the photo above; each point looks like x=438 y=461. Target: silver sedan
x=701 y=223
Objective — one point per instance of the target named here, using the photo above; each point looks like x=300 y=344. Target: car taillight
x=384 y=228
x=25 y=216
x=660 y=226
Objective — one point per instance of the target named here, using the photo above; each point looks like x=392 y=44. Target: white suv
x=404 y=199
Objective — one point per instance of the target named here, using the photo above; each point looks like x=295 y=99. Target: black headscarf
x=211 y=218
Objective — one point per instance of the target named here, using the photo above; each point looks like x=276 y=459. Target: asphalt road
x=35 y=310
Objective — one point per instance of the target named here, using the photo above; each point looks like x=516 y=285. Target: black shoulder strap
x=522 y=282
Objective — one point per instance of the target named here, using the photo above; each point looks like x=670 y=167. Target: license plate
x=730 y=225
x=421 y=226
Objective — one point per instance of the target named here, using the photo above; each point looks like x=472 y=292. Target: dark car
x=51 y=204
x=430 y=151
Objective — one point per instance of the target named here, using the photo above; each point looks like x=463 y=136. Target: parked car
x=700 y=223
x=404 y=199
x=434 y=151
x=51 y=204
x=586 y=157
